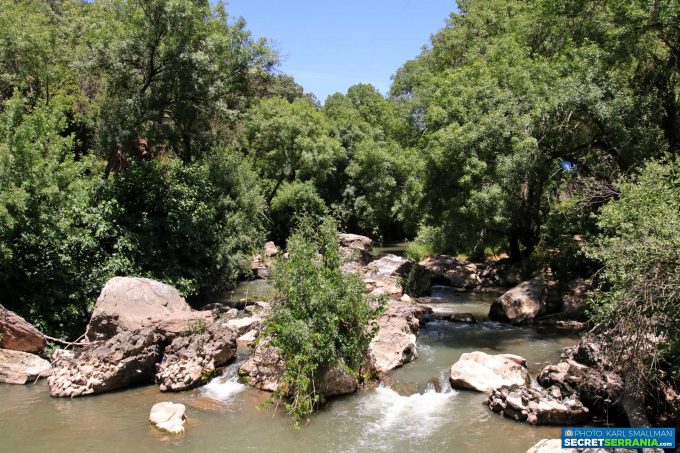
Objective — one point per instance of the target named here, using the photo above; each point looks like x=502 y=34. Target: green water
x=404 y=414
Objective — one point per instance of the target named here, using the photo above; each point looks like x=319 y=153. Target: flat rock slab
x=484 y=372
x=168 y=417
x=18 y=334
x=17 y=367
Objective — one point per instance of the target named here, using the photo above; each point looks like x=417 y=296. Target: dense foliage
x=639 y=245
x=320 y=315
x=156 y=138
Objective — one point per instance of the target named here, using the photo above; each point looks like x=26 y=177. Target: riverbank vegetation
x=158 y=138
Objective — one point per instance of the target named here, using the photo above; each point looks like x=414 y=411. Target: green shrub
x=320 y=317
x=292 y=201
x=640 y=248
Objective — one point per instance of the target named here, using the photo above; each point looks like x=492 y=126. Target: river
x=405 y=413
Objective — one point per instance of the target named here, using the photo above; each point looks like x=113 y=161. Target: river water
x=405 y=413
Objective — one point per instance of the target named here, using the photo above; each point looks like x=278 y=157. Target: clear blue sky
x=329 y=45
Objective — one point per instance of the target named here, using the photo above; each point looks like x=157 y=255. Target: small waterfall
x=225 y=386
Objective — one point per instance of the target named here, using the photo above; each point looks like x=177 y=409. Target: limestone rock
x=451 y=271
x=127 y=359
x=395 y=342
x=246 y=341
x=190 y=361
x=17 y=367
x=389 y=266
x=168 y=417
x=180 y=323
x=242 y=325
x=126 y=302
x=18 y=334
x=264 y=369
x=521 y=304
x=599 y=390
x=484 y=373
x=538 y=407
x=337 y=381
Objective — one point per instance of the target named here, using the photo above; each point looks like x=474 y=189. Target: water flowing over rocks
x=484 y=373
x=18 y=334
x=168 y=417
x=125 y=302
x=538 y=406
x=17 y=367
x=127 y=359
x=521 y=304
x=190 y=361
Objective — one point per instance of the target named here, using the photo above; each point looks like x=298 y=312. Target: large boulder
x=521 y=304
x=127 y=359
x=190 y=361
x=538 y=407
x=168 y=417
x=395 y=342
x=599 y=390
x=17 y=367
x=484 y=373
x=355 y=249
x=389 y=266
x=243 y=325
x=126 y=302
x=265 y=368
x=451 y=271
x=337 y=381
x=180 y=323
x=384 y=275
x=18 y=334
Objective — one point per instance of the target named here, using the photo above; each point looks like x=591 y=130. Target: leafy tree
x=290 y=141
x=51 y=260
x=639 y=246
x=320 y=317
x=292 y=202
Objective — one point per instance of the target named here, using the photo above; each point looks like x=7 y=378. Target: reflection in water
x=405 y=414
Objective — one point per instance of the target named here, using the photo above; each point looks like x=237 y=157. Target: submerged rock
x=18 y=334
x=484 y=373
x=467 y=318
x=193 y=360
x=125 y=303
x=521 y=304
x=127 y=359
x=168 y=417
x=17 y=367
x=538 y=407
